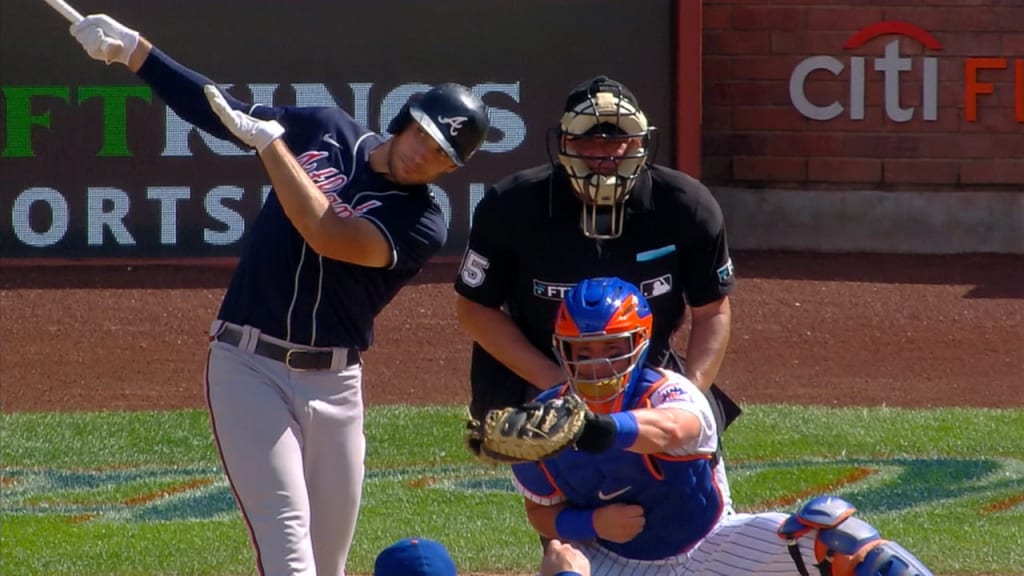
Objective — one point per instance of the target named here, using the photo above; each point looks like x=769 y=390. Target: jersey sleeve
x=182 y=90
x=488 y=267
x=680 y=393
x=708 y=269
x=413 y=226
x=535 y=485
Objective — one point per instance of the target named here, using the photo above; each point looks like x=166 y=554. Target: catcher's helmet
x=452 y=115
x=603 y=125
x=602 y=333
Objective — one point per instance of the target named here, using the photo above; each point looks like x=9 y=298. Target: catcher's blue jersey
x=679 y=492
x=282 y=286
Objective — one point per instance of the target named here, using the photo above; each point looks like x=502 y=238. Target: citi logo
x=891 y=65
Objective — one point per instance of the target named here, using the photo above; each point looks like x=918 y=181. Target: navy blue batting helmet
x=452 y=115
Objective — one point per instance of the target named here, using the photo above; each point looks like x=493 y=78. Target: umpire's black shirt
x=526 y=249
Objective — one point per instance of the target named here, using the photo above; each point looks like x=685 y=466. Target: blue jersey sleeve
x=182 y=90
x=413 y=224
x=534 y=483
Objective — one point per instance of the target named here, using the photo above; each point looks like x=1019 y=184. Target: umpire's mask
x=603 y=146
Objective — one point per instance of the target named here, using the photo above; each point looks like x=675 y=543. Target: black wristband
x=598 y=434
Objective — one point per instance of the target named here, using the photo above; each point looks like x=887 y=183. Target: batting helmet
x=452 y=115
x=609 y=312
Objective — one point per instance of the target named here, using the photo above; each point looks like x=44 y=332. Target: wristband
x=576 y=524
x=606 y=431
x=567 y=573
x=627 y=429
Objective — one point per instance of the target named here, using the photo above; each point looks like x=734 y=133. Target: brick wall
x=754 y=135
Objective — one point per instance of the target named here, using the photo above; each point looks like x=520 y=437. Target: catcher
x=618 y=462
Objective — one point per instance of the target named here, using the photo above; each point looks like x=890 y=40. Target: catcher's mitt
x=531 y=432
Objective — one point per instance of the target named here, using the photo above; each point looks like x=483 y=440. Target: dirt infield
x=809 y=329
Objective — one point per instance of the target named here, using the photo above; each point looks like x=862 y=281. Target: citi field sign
x=891 y=65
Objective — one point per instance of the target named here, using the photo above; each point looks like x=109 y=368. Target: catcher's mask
x=452 y=115
x=603 y=145
x=601 y=337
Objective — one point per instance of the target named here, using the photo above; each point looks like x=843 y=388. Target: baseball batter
x=350 y=221
x=639 y=495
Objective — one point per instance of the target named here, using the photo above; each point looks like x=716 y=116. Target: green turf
x=142 y=492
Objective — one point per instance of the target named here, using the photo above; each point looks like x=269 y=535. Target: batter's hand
x=252 y=131
x=619 y=523
x=105 y=39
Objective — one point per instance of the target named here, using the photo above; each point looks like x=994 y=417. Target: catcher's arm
x=614 y=522
x=664 y=430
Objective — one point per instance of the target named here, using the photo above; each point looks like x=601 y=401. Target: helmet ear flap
x=400 y=121
x=404 y=116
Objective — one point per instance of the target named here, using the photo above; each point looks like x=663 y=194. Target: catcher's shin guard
x=846 y=546
x=890 y=559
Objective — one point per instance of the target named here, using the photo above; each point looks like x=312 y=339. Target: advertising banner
x=94 y=165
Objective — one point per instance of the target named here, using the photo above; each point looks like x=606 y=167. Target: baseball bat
x=65 y=10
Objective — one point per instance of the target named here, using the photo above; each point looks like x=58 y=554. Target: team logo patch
x=656 y=286
x=671 y=394
x=550 y=290
x=725 y=273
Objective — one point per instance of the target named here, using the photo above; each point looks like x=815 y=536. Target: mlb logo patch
x=657 y=286
x=725 y=273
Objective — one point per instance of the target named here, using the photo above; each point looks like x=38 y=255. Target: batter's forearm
x=181 y=89
x=354 y=240
x=495 y=331
x=709 y=339
x=138 y=58
x=302 y=201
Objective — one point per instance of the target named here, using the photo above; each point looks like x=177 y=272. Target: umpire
x=600 y=210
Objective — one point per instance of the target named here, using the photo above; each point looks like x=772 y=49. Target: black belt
x=294 y=358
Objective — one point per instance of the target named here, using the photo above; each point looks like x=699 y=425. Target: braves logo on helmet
x=455 y=123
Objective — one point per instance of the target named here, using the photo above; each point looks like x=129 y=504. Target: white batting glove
x=252 y=131
x=105 y=39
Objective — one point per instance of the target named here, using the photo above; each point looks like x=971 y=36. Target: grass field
x=142 y=492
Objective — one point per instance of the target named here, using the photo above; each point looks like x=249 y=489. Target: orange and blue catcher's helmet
x=602 y=333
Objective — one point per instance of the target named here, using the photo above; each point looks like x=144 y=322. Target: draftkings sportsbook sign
x=94 y=165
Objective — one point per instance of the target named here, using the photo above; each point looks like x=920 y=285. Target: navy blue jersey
x=282 y=286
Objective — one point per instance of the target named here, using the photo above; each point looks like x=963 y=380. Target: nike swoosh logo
x=604 y=496
x=330 y=140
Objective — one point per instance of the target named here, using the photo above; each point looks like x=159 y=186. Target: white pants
x=293 y=449
x=741 y=544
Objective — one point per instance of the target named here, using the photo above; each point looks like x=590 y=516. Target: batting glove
x=252 y=131
x=105 y=39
